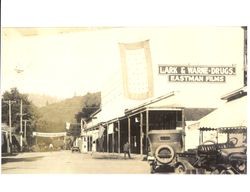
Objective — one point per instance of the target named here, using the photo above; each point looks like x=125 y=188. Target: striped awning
x=233 y=130
x=232 y=114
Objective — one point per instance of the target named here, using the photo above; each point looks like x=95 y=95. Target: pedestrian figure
x=126 y=149
x=51 y=147
x=93 y=147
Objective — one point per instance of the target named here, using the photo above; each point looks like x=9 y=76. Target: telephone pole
x=25 y=127
x=9 y=102
x=21 y=124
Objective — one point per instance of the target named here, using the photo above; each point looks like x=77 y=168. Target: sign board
x=196 y=73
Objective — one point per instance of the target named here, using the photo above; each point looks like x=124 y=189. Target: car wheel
x=180 y=169
x=227 y=172
x=241 y=167
x=215 y=171
x=152 y=169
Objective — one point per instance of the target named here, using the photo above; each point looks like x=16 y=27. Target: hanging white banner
x=40 y=134
x=137 y=70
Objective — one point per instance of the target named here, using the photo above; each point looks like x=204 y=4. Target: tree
x=92 y=102
x=29 y=111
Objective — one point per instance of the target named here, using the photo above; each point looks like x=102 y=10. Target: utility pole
x=21 y=124
x=9 y=102
x=25 y=127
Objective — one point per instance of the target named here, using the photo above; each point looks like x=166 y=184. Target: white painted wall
x=198 y=46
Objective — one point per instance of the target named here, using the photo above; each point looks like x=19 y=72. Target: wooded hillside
x=54 y=116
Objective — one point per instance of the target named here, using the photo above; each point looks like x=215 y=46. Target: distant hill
x=54 y=116
x=62 y=111
x=42 y=100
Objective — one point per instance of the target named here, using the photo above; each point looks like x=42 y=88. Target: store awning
x=231 y=114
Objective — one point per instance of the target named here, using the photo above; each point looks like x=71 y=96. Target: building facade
x=163 y=78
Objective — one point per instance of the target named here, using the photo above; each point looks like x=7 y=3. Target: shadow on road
x=8 y=154
x=113 y=157
x=164 y=169
x=8 y=159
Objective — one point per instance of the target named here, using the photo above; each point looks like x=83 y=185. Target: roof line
x=234 y=93
x=149 y=102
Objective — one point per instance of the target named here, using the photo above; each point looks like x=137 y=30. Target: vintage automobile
x=163 y=147
x=75 y=149
x=212 y=156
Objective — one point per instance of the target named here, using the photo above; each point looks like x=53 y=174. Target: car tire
x=153 y=167
x=227 y=172
x=180 y=169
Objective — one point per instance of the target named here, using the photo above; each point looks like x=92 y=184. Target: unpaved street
x=68 y=162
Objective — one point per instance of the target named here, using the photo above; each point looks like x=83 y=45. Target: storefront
x=166 y=78
x=167 y=112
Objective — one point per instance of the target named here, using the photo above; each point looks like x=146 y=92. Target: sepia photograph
x=140 y=100
x=124 y=95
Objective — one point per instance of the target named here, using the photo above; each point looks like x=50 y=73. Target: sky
x=67 y=62
x=56 y=64
x=153 y=12
x=52 y=57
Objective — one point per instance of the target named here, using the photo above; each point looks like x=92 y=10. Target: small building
x=10 y=141
x=5 y=138
x=232 y=114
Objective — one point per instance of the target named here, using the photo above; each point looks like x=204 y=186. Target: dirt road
x=68 y=162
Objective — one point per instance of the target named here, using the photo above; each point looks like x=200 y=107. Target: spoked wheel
x=227 y=172
x=215 y=171
x=233 y=141
x=241 y=167
x=180 y=169
x=152 y=168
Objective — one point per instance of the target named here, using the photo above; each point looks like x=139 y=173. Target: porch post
x=107 y=137
x=119 y=139
x=141 y=133
x=113 y=138
x=183 y=128
x=201 y=137
x=147 y=128
x=129 y=131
